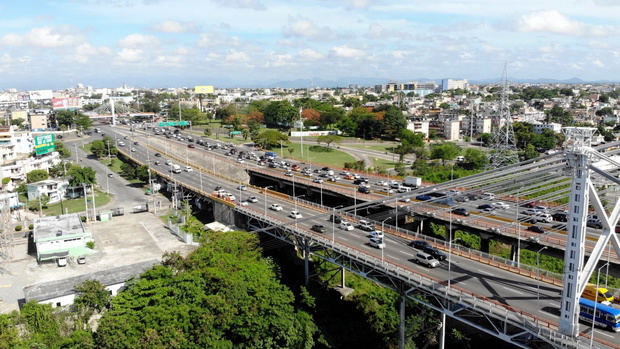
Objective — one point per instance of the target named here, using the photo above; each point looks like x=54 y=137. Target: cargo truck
x=410 y=181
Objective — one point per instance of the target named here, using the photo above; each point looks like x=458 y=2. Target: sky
x=256 y=43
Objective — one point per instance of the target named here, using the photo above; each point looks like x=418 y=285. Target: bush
x=91 y=245
x=83 y=218
x=6 y=180
x=30 y=226
x=18 y=228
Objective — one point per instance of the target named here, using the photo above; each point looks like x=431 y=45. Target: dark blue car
x=423 y=197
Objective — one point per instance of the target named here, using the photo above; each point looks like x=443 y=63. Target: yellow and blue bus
x=606 y=316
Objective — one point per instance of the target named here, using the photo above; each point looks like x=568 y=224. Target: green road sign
x=183 y=123
x=44 y=144
x=235 y=133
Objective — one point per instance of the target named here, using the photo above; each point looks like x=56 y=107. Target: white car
x=168 y=162
x=239 y=160
x=376 y=234
x=488 y=196
x=295 y=214
x=387 y=190
x=377 y=242
x=543 y=217
x=344 y=225
x=289 y=174
x=188 y=169
x=230 y=196
x=500 y=205
x=252 y=199
x=242 y=187
x=382 y=183
x=275 y=207
x=317 y=180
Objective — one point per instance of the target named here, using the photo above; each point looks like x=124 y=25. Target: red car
x=191 y=146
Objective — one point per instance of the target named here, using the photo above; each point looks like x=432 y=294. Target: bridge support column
x=442 y=335
x=485 y=240
x=514 y=253
x=306 y=263
x=343 y=273
x=401 y=328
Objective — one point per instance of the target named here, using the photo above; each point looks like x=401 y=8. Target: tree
x=445 y=151
x=207 y=131
x=83 y=121
x=393 y=122
x=485 y=139
x=280 y=114
x=444 y=106
x=80 y=175
x=62 y=150
x=559 y=115
x=98 y=148
x=245 y=133
x=529 y=152
x=142 y=173
x=92 y=294
x=474 y=159
x=64 y=118
x=415 y=139
x=329 y=139
x=270 y=138
x=605 y=111
x=57 y=170
x=40 y=322
x=128 y=171
x=36 y=176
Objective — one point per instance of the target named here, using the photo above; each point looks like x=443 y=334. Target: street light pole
x=538 y=274
x=598 y=276
x=265 y=191
x=321 y=192
x=518 y=231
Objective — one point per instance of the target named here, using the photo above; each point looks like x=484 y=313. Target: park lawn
x=86 y=148
x=76 y=205
x=379 y=147
x=384 y=163
x=113 y=164
x=334 y=158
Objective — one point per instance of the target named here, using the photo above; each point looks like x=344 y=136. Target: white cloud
x=310 y=54
x=554 y=22
x=237 y=57
x=251 y=4
x=173 y=27
x=138 y=40
x=304 y=28
x=45 y=37
x=347 y=52
x=597 y=62
x=129 y=55
x=399 y=54
x=279 y=60
x=169 y=61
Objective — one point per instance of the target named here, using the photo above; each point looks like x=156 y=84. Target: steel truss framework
x=484 y=316
x=504 y=146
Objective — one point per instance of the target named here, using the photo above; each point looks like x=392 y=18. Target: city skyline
x=255 y=43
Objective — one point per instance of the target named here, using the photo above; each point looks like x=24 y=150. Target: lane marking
x=483 y=272
x=343 y=238
x=390 y=256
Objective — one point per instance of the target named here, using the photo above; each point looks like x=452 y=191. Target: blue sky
x=245 y=43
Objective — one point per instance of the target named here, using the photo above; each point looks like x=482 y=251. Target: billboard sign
x=44 y=144
x=66 y=103
x=203 y=89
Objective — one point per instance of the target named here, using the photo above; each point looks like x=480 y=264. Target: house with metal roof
x=60 y=237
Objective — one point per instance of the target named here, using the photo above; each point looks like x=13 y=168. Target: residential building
x=450 y=84
x=60 y=293
x=553 y=126
x=13 y=144
x=17 y=170
x=60 y=237
x=54 y=189
x=473 y=125
x=451 y=130
x=12 y=198
x=418 y=126
x=39 y=121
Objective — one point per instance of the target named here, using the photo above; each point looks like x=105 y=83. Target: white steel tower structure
x=582 y=194
x=504 y=149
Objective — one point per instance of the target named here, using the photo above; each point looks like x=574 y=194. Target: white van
x=426 y=259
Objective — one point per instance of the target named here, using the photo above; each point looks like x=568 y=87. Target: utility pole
x=301 y=134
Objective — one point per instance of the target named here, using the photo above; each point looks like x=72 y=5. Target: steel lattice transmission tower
x=6 y=235
x=503 y=147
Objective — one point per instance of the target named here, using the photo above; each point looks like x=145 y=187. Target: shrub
x=83 y=218
x=30 y=226
x=91 y=245
x=18 y=228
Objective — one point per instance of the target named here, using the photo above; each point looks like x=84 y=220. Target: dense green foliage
x=62 y=150
x=36 y=176
x=81 y=175
x=101 y=147
x=224 y=295
x=270 y=139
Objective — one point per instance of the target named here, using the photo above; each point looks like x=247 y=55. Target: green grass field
x=380 y=147
x=76 y=205
x=383 y=163
x=113 y=164
x=334 y=158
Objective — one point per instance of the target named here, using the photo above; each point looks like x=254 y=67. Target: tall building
x=39 y=121
x=451 y=130
x=450 y=84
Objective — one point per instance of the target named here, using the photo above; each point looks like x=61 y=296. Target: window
x=576 y=197
x=572 y=254
x=576 y=209
x=567 y=306
x=571 y=267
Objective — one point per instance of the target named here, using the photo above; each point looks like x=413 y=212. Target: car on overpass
x=500 y=205
x=438 y=255
x=426 y=259
x=365 y=226
x=376 y=234
x=536 y=229
x=344 y=225
x=295 y=214
x=252 y=199
x=461 y=211
x=376 y=242
x=319 y=228
x=275 y=207
x=423 y=197
x=419 y=244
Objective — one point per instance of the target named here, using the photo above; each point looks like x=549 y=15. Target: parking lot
x=122 y=241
